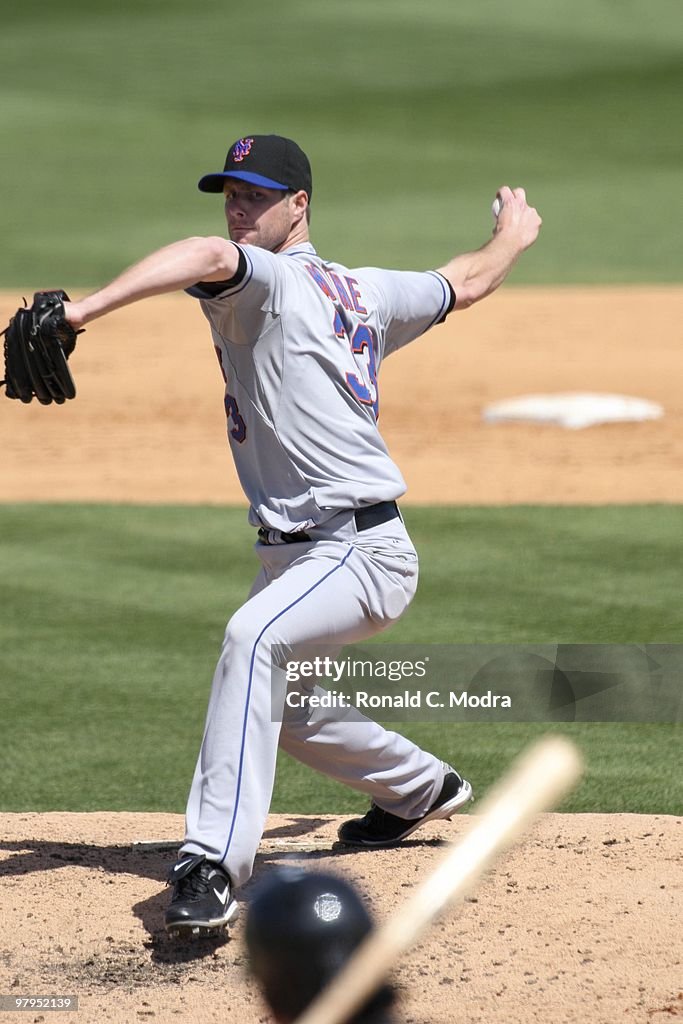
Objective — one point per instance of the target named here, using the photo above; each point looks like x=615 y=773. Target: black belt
x=365 y=518
x=372 y=515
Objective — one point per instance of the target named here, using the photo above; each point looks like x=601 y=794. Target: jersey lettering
x=335 y=289
x=355 y=295
x=341 y=291
x=321 y=281
x=238 y=430
x=363 y=347
x=338 y=325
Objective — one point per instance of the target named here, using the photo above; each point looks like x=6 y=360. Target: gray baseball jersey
x=300 y=342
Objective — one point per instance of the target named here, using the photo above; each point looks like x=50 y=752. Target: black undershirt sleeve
x=216 y=287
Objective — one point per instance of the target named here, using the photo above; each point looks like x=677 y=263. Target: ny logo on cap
x=241 y=149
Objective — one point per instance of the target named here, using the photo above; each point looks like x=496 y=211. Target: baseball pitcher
x=299 y=341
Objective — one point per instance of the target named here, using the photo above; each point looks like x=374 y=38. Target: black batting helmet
x=302 y=926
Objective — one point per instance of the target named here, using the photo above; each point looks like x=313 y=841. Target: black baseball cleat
x=202 y=901
x=380 y=828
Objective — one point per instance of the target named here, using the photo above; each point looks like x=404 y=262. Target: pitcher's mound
x=581 y=922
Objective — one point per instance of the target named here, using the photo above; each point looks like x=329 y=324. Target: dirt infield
x=579 y=923
x=148 y=424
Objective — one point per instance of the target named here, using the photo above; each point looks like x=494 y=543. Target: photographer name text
x=363 y=700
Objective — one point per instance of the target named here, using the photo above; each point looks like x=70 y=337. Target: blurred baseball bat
x=536 y=781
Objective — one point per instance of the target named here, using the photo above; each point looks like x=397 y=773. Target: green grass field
x=112 y=618
x=413 y=115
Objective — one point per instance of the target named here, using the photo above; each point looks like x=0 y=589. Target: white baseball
x=497 y=206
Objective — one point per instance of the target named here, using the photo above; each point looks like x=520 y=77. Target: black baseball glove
x=38 y=342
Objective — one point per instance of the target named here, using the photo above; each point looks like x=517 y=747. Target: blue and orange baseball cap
x=267 y=160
